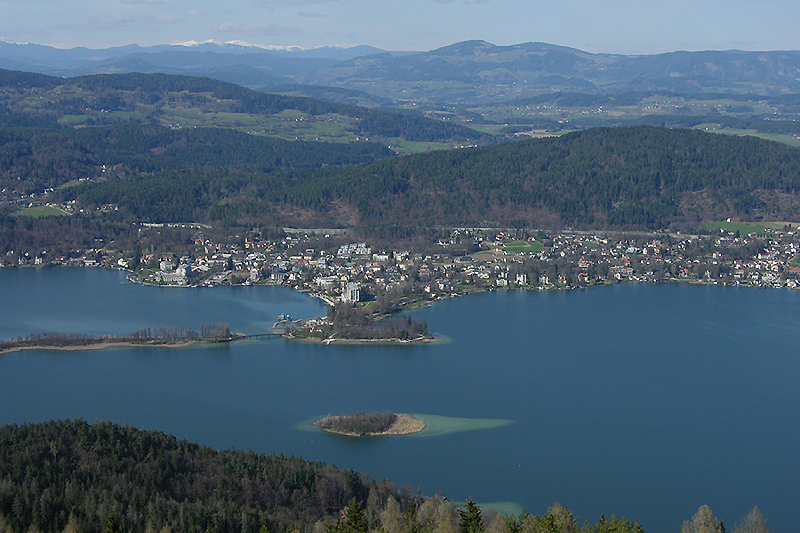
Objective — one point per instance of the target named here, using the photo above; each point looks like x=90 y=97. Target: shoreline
x=405 y=424
x=103 y=346
x=332 y=340
x=343 y=341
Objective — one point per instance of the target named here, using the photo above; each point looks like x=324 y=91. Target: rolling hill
x=602 y=178
x=189 y=102
x=466 y=72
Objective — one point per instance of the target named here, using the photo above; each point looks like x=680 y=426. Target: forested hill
x=74 y=477
x=159 y=174
x=638 y=177
x=69 y=476
x=188 y=102
x=606 y=178
x=42 y=157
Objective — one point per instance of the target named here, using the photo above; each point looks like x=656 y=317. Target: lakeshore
x=376 y=287
x=535 y=357
x=96 y=346
x=333 y=340
x=110 y=344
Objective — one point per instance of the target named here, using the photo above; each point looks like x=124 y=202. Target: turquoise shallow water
x=638 y=400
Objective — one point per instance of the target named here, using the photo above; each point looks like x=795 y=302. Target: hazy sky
x=615 y=26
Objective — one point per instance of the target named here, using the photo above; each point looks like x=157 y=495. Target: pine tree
x=411 y=518
x=112 y=524
x=471 y=518
x=354 y=521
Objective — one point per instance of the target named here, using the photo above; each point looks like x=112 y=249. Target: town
x=327 y=265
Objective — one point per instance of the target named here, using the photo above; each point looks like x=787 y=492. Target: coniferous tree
x=471 y=518
x=411 y=518
x=112 y=524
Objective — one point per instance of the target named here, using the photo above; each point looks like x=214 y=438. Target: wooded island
x=363 y=424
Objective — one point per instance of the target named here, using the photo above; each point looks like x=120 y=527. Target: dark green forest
x=637 y=177
x=59 y=473
x=76 y=477
x=35 y=158
x=604 y=178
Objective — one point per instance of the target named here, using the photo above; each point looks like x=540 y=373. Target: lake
x=640 y=400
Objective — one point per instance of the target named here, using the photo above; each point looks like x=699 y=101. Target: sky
x=609 y=26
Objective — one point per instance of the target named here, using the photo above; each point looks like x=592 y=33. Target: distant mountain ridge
x=477 y=70
x=54 y=60
x=470 y=71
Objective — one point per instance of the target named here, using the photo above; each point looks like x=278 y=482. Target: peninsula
x=162 y=336
x=363 y=424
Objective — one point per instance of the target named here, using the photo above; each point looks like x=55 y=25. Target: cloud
x=254 y=28
x=137 y=2
x=124 y=19
x=270 y=3
x=166 y=19
x=195 y=13
x=112 y=19
x=306 y=14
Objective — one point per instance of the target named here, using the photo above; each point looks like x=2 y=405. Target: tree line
x=215 y=331
x=357 y=423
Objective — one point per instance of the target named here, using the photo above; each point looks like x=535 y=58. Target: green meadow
x=791 y=140
x=42 y=212
x=745 y=228
x=516 y=247
x=415 y=147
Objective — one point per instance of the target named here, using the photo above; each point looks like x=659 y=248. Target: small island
x=347 y=323
x=363 y=424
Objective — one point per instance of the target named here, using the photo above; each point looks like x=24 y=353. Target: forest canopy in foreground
x=74 y=477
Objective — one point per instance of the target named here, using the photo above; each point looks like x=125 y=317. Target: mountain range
x=466 y=72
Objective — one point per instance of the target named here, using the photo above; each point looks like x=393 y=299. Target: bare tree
x=703 y=521
x=752 y=522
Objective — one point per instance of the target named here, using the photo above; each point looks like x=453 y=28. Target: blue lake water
x=640 y=400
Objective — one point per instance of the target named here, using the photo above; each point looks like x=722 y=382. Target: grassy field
x=414 y=147
x=483 y=256
x=511 y=247
x=73 y=120
x=42 y=212
x=745 y=228
x=516 y=247
x=791 y=140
